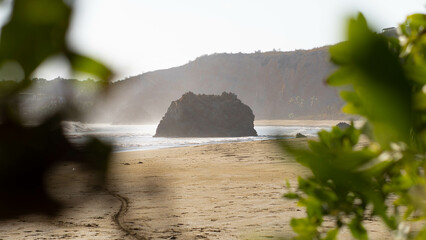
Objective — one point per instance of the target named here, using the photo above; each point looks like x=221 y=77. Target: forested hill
x=276 y=85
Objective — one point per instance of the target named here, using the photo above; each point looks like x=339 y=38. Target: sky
x=137 y=36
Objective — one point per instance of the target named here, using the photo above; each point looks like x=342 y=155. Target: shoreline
x=261 y=137
x=301 y=123
x=211 y=143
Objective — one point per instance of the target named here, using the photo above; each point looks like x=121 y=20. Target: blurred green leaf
x=303 y=228
x=36 y=30
x=87 y=65
x=339 y=53
x=377 y=76
x=421 y=235
x=332 y=234
x=357 y=230
x=291 y=195
x=342 y=76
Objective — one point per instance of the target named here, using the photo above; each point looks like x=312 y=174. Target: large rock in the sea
x=207 y=116
x=343 y=125
x=299 y=135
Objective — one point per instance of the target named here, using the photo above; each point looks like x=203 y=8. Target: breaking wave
x=140 y=137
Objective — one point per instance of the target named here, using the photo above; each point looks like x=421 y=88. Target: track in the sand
x=119 y=216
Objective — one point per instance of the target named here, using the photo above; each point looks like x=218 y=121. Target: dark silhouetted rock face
x=207 y=116
x=299 y=135
x=343 y=125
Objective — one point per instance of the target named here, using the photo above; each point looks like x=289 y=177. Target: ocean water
x=140 y=137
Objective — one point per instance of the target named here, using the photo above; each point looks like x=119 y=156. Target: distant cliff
x=207 y=116
x=276 y=85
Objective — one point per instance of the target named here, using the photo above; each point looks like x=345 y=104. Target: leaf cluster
x=384 y=178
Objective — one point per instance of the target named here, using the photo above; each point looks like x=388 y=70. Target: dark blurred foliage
x=383 y=177
x=37 y=30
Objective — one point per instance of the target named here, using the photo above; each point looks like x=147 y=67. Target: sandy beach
x=219 y=191
x=226 y=191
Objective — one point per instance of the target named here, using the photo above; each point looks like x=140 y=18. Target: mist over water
x=140 y=137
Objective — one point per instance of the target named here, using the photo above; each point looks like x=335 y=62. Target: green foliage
x=37 y=30
x=385 y=178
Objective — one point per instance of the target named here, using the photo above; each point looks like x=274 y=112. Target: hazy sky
x=136 y=36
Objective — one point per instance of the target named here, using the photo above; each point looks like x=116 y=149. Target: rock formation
x=207 y=116
x=343 y=125
x=299 y=135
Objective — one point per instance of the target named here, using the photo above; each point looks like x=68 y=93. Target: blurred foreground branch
x=37 y=30
x=386 y=178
